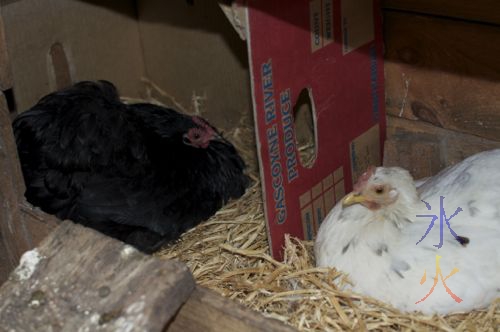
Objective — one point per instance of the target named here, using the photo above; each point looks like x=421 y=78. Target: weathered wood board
x=81 y=280
x=208 y=311
x=425 y=149
x=445 y=72
x=479 y=10
x=36 y=223
x=5 y=72
x=11 y=188
x=30 y=226
x=5 y=265
x=21 y=226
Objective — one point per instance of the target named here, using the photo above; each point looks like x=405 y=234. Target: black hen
x=141 y=173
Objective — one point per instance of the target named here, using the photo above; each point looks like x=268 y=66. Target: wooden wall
x=21 y=226
x=442 y=72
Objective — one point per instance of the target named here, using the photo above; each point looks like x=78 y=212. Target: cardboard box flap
x=236 y=14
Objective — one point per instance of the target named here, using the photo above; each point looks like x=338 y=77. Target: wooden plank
x=444 y=72
x=81 y=280
x=5 y=72
x=6 y=265
x=31 y=226
x=11 y=192
x=37 y=224
x=9 y=150
x=479 y=10
x=208 y=311
x=424 y=149
x=420 y=159
x=21 y=226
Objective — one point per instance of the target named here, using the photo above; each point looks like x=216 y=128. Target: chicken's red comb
x=209 y=131
x=200 y=121
x=363 y=179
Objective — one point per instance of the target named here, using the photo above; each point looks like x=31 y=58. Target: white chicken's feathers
x=378 y=249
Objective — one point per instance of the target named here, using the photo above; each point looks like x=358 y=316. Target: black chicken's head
x=201 y=134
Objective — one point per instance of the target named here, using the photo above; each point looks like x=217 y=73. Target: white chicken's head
x=382 y=187
x=201 y=135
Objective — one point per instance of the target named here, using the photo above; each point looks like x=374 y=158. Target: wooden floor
x=4 y=263
x=80 y=279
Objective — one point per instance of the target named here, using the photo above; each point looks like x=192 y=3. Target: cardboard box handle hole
x=304 y=116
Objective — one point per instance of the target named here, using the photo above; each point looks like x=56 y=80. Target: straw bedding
x=229 y=254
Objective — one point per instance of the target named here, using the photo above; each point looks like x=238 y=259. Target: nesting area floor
x=229 y=254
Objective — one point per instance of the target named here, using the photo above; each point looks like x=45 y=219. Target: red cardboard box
x=331 y=52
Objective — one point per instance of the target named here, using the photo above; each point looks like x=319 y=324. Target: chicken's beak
x=353 y=198
x=219 y=138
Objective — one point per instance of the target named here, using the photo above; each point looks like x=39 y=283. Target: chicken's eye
x=379 y=190
x=195 y=134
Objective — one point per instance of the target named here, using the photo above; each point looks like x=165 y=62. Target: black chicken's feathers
x=160 y=120
x=122 y=169
x=66 y=129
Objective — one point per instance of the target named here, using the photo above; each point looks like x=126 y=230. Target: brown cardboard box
x=326 y=52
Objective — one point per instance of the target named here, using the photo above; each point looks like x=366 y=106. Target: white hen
x=372 y=235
